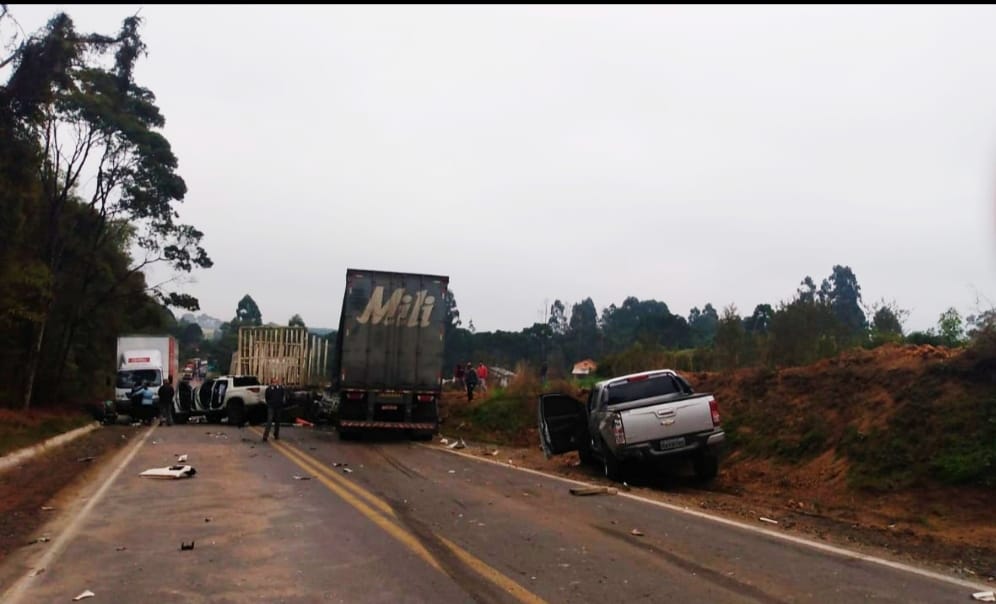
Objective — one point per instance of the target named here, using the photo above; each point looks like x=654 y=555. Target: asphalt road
x=409 y=523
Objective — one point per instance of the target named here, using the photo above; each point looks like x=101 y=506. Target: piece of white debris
x=636 y=532
x=984 y=596
x=768 y=520
x=494 y=453
x=182 y=458
x=47 y=508
x=37 y=572
x=444 y=441
x=297 y=477
x=177 y=471
x=86 y=594
x=458 y=445
x=452 y=471
x=347 y=470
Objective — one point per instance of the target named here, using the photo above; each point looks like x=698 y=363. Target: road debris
x=207 y=520
x=85 y=459
x=86 y=594
x=298 y=477
x=304 y=423
x=636 y=532
x=347 y=471
x=458 y=445
x=120 y=548
x=768 y=520
x=181 y=458
x=37 y=572
x=177 y=471
x=39 y=540
x=451 y=472
x=339 y=464
x=47 y=508
x=184 y=547
x=984 y=596
x=582 y=491
x=444 y=441
x=197 y=419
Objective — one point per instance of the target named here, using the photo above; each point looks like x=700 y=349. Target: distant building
x=585 y=367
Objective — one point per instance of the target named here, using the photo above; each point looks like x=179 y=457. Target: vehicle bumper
x=712 y=441
x=349 y=423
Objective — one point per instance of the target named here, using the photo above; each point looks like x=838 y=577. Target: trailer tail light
x=714 y=409
x=354 y=395
x=617 y=429
x=425 y=398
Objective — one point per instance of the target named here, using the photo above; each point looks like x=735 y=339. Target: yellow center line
x=352 y=493
x=389 y=527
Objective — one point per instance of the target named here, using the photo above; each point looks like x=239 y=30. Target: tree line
x=88 y=196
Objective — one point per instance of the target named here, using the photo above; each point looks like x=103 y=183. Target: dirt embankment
x=48 y=479
x=893 y=449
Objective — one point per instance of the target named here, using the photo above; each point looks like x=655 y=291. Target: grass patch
x=23 y=429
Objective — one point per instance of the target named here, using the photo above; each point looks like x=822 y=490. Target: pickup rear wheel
x=706 y=466
x=611 y=465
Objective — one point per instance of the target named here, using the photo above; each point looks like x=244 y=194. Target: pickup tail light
x=617 y=429
x=714 y=409
x=425 y=398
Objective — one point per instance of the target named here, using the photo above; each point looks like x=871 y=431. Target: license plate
x=389 y=407
x=672 y=443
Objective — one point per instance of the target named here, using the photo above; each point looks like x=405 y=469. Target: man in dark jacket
x=274 y=405
x=166 y=393
x=470 y=377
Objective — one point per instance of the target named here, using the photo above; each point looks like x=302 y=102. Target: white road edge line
x=16 y=591
x=747 y=527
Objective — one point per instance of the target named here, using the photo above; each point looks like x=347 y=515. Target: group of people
x=143 y=402
x=471 y=377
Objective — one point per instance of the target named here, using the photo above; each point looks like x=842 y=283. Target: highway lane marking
x=840 y=551
x=346 y=489
x=17 y=590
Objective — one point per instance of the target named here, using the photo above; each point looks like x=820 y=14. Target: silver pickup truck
x=652 y=416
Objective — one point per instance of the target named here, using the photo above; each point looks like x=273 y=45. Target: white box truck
x=143 y=358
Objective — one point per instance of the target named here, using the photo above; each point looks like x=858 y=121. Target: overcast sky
x=688 y=154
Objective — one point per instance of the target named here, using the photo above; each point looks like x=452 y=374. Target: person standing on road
x=482 y=376
x=470 y=378
x=166 y=393
x=274 y=405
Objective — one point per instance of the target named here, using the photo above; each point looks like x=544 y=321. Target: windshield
x=129 y=379
x=646 y=388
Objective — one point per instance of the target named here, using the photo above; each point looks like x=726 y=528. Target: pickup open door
x=563 y=426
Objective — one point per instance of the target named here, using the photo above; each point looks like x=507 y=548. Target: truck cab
x=137 y=367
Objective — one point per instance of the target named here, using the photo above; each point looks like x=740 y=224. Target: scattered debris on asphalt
x=444 y=441
x=768 y=520
x=37 y=572
x=47 y=508
x=86 y=594
x=984 y=596
x=452 y=472
x=197 y=419
x=303 y=423
x=181 y=458
x=299 y=477
x=636 y=532
x=339 y=464
x=458 y=445
x=581 y=491
x=177 y=471
x=207 y=520
x=184 y=547
x=120 y=548
x=347 y=471
x=85 y=459
x=39 y=540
